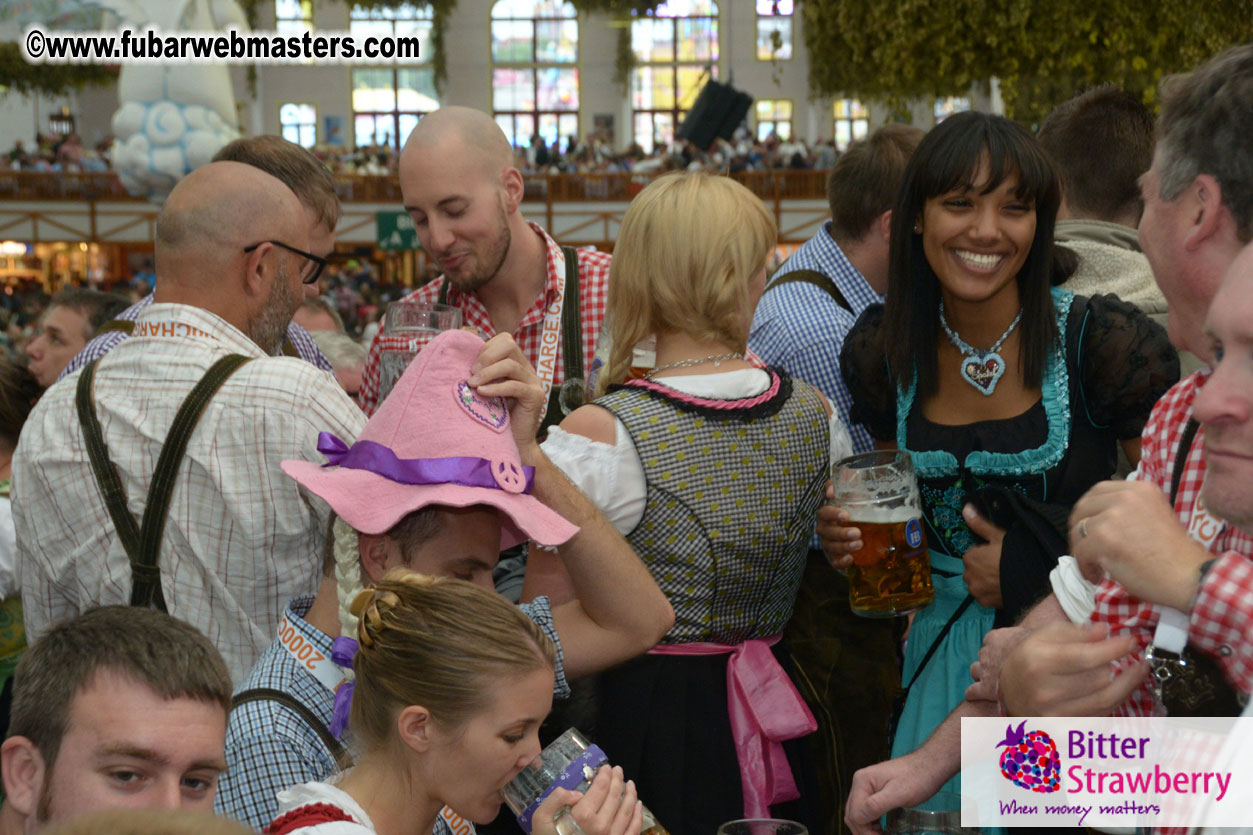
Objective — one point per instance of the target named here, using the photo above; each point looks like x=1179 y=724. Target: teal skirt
x=942 y=684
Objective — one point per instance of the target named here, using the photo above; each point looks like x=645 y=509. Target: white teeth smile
x=978 y=260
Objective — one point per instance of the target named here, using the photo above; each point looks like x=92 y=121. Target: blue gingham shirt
x=103 y=343
x=799 y=328
x=269 y=748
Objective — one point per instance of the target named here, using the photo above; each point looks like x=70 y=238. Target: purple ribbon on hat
x=376 y=458
x=343 y=650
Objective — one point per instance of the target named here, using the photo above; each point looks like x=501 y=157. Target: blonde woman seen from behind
x=713 y=469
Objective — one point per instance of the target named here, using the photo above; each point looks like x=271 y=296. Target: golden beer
x=891 y=573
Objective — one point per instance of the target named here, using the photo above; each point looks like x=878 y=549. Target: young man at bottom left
x=442 y=477
x=120 y=707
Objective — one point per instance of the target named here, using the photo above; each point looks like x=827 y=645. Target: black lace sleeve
x=865 y=373
x=1127 y=363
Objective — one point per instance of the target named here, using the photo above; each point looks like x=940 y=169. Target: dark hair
x=150 y=647
x=1101 y=142
x=96 y=307
x=948 y=158
x=1207 y=119
x=865 y=179
x=18 y=392
x=295 y=166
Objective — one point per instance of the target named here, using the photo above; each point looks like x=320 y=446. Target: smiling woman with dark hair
x=1006 y=391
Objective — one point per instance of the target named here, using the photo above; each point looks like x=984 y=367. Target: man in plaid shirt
x=1198 y=215
x=506 y=275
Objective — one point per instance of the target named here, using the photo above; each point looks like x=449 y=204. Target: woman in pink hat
x=713 y=468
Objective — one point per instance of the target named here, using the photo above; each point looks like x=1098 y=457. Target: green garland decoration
x=1042 y=52
x=442 y=11
x=49 y=79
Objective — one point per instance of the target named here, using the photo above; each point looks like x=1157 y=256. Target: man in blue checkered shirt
x=848 y=663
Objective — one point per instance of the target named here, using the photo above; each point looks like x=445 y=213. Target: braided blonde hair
x=435 y=642
x=348 y=580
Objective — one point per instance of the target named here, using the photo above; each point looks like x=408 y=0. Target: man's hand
x=983 y=562
x=838 y=540
x=1128 y=529
x=904 y=781
x=502 y=370
x=986 y=672
x=1065 y=670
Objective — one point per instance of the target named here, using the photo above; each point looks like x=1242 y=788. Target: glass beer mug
x=891 y=573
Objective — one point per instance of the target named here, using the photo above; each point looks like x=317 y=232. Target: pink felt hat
x=434 y=440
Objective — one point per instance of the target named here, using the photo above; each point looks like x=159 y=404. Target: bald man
x=239 y=539
x=505 y=275
x=315 y=188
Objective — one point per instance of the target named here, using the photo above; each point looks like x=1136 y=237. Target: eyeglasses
x=316 y=262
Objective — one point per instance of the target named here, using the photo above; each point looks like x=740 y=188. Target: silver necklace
x=981 y=369
x=716 y=359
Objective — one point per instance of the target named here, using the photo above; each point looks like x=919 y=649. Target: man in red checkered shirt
x=504 y=274
x=1197 y=556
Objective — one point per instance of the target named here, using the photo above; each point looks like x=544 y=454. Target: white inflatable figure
x=172 y=117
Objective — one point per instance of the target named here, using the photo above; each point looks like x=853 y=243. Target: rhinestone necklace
x=716 y=359
x=981 y=369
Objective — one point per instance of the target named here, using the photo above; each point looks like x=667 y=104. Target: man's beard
x=270 y=327
x=493 y=257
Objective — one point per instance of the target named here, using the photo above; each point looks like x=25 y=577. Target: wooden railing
x=546 y=188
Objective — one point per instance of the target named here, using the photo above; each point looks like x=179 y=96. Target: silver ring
x=1083 y=528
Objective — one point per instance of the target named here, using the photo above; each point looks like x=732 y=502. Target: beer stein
x=569 y=762
x=408 y=327
x=891 y=573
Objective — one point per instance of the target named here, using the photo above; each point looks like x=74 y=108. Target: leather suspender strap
x=143 y=545
x=259 y=694
x=815 y=278
x=443 y=291
x=289 y=348
x=571 y=320
x=1181 y=457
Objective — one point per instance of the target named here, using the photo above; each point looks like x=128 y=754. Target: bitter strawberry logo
x=1030 y=759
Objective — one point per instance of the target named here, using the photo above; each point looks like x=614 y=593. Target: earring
x=917 y=228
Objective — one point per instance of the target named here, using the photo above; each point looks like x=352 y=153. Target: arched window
x=674 y=48
x=293 y=17
x=388 y=100
x=774 y=30
x=535 y=80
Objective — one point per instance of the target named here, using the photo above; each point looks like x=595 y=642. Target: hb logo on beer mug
x=891 y=574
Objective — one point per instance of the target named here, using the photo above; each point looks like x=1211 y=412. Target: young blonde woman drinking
x=451 y=684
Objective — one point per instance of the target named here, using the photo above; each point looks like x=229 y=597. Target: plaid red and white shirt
x=593 y=293
x=1222 y=616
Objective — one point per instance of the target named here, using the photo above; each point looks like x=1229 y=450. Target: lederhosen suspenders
x=258 y=694
x=127 y=327
x=815 y=278
x=571 y=339
x=142 y=542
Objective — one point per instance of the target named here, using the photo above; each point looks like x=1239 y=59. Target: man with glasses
x=185 y=422
x=314 y=186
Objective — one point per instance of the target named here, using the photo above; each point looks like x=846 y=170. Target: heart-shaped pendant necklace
x=981 y=369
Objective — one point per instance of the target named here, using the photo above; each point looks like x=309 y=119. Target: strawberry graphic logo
x=1030 y=760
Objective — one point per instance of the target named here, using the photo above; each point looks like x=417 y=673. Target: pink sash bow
x=765 y=711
